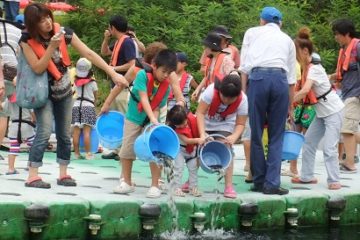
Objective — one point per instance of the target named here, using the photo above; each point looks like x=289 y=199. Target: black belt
x=267 y=69
x=85 y=99
x=24 y=121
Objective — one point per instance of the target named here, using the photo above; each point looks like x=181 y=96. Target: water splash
x=168 y=163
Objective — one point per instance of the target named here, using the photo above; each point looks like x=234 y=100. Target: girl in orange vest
x=44 y=45
x=185 y=125
x=223 y=110
x=328 y=120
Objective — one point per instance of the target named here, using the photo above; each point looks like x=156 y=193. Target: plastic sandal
x=37 y=182
x=334 y=186
x=230 y=192
x=12 y=172
x=289 y=173
x=195 y=192
x=179 y=193
x=66 y=181
x=79 y=157
x=123 y=188
x=346 y=169
x=153 y=192
x=299 y=181
x=185 y=187
x=89 y=156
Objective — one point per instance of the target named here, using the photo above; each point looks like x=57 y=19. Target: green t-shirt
x=140 y=84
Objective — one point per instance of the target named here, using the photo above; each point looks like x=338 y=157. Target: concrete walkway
x=96 y=179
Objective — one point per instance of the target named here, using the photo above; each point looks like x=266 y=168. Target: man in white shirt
x=268 y=59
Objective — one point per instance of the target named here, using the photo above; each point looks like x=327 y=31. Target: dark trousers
x=268 y=96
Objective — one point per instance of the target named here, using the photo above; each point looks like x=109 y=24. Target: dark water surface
x=342 y=233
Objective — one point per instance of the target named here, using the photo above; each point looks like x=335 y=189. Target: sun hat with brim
x=213 y=41
x=222 y=31
x=271 y=14
x=83 y=67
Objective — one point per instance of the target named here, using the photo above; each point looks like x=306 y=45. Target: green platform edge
x=122 y=221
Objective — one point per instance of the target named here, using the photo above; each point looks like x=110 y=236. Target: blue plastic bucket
x=109 y=127
x=292 y=144
x=215 y=155
x=156 y=138
x=94 y=141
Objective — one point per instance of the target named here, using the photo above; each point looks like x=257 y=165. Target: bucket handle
x=215 y=135
x=220 y=172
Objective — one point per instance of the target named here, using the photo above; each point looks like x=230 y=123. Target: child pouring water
x=185 y=125
x=223 y=110
x=150 y=93
x=83 y=112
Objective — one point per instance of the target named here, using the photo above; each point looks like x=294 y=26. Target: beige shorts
x=121 y=101
x=351 y=115
x=131 y=132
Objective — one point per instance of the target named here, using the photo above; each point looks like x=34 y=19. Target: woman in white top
x=316 y=89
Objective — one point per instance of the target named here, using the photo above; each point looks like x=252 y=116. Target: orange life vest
x=184 y=77
x=39 y=50
x=190 y=131
x=310 y=98
x=82 y=81
x=210 y=76
x=346 y=57
x=156 y=99
x=116 y=50
x=235 y=55
x=216 y=101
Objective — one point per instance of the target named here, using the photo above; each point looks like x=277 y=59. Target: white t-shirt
x=89 y=90
x=321 y=85
x=13 y=35
x=217 y=123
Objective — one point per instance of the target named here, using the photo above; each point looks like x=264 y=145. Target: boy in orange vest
x=223 y=110
x=150 y=92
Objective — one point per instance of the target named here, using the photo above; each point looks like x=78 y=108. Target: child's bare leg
x=246 y=145
x=87 y=140
x=76 y=139
x=11 y=163
x=126 y=169
x=229 y=175
x=155 y=174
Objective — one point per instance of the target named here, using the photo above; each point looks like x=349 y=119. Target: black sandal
x=37 y=182
x=66 y=181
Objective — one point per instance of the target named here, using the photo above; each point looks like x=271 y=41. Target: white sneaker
x=123 y=188
x=153 y=192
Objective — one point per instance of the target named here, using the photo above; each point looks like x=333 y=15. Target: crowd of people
x=272 y=82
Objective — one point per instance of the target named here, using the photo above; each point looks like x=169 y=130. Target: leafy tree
x=183 y=24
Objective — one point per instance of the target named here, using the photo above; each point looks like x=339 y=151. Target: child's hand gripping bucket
x=215 y=155
x=94 y=141
x=109 y=127
x=156 y=139
x=292 y=144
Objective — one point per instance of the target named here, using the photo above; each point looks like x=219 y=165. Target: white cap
x=83 y=67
